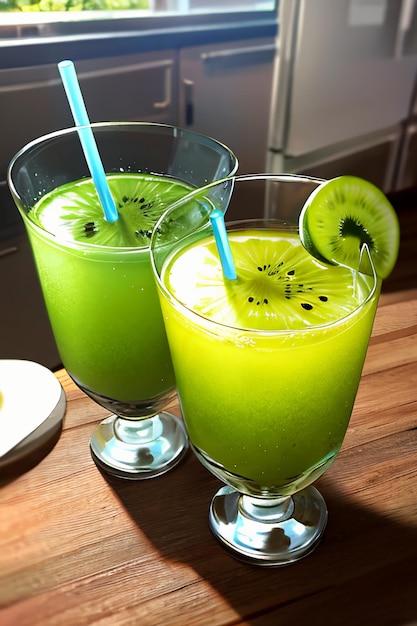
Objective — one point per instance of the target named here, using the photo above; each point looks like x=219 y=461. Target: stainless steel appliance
x=343 y=85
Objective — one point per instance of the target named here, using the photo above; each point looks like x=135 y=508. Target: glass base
x=268 y=532
x=139 y=449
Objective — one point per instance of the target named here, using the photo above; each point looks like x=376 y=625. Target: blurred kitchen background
x=318 y=87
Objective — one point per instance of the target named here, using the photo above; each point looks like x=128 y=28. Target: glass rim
x=70 y=130
x=175 y=131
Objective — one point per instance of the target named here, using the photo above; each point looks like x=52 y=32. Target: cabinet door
x=25 y=332
x=372 y=157
x=374 y=161
x=225 y=92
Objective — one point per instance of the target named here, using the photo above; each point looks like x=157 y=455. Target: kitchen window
x=36 y=36
x=55 y=18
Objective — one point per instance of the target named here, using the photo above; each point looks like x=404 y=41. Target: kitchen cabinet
x=133 y=87
x=25 y=332
x=221 y=90
x=225 y=92
x=372 y=156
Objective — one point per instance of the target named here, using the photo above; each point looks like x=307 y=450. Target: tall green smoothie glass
x=97 y=279
x=267 y=364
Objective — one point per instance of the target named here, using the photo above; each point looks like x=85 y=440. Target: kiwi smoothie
x=267 y=366
x=98 y=285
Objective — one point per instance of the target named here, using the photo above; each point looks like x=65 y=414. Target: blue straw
x=88 y=143
x=223 y=245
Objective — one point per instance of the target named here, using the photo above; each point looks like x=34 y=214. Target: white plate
x=32 y=405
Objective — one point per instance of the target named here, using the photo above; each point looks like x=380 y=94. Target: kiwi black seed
x=90 y=229
x=282 y=283
x=345 y=214
x=279 y=286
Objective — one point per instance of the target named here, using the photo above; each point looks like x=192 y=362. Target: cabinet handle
x=164 y=104
x=189 y=101
x=8 y=251
x=256 y=52
x=406 y=15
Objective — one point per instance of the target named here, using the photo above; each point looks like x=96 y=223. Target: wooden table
x=77 y=547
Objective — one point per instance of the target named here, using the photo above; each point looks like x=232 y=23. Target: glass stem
x=138 y=431
x=269 y=510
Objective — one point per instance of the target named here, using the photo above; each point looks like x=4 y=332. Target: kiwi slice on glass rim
x=73 y=211
x=342 y=215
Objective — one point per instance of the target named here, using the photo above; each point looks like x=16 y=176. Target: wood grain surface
x=80 y=548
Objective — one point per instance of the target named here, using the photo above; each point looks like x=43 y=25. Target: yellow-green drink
x=268 y=400
x=268 y=340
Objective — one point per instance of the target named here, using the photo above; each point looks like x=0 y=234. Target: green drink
x=268 y=360
x=101 y=297
x=96 y=275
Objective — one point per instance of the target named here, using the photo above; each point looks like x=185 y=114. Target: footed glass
x=267 y=366
x=101 y=298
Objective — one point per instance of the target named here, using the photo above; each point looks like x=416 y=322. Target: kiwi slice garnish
x=345 y=213
x=77 y=214
x=279 y=284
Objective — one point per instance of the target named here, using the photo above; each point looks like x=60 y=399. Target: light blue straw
x=223 y=245
x=88 y=143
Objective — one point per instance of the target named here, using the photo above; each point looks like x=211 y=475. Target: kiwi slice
x=345 y=213
x=73 y=211
x=279 y=286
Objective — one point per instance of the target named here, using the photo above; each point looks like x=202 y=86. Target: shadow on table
x=12 y=465
x=365 y=569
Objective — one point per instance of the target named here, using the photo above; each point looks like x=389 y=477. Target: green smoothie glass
x=97 y=280
x=267 y=365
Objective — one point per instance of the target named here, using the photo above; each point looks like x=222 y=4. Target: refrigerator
x=344 y=75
